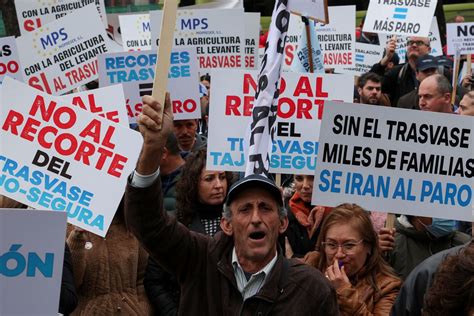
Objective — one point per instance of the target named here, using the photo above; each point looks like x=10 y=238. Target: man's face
x=370 y=93
x=185 y=131
x=430 y=99
x=255 y=225
x=417 y=46
x=466 y=106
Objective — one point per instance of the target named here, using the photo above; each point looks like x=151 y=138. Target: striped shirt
x=248 y=287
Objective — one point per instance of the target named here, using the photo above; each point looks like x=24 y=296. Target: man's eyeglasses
x=347 y=247
x=417 y=43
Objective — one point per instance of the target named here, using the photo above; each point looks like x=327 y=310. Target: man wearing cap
x=241 y=270
x=401 y=79
x=426 y=66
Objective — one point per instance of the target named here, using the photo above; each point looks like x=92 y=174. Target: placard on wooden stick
x=312 y=9
x=160 y=83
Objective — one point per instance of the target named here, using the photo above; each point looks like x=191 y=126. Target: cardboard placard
x=214 y=34
x=136 y=70
x=408 y=18
x=9 y=60
x=252 y=26
x=366 y=55
x=295 y=29
x=62 y=55
x=313 y=9
x=301 y=103
x=60 y=157
x=32 y=15
x=460 y=37
x=31 y=265
x=397 y=160
x=337 y=39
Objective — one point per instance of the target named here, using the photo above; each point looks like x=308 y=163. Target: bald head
x=435 y=94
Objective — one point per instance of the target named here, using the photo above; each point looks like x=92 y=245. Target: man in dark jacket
x=402 y=78
x=237 y=272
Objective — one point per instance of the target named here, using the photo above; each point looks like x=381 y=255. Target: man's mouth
x=258 y=235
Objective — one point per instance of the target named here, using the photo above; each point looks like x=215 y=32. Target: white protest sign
x=301 y=62
x=9 y=60
x=400 y=17
x=460 y=37
x=62 y=55
x=401 y=50
x=295 y=28
x=337 y=39
x=217 y=35
x=136 y=70
x=136 y=33
x=32 y=15
x=366 y=55
x=107 y=102
x=61 y=157
x=113 y=27
x=300 y=107
x=31 y=264
x=314 y=9
x=252 y=27
x=402 y=161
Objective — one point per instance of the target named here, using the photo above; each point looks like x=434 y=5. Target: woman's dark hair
x=206 y=77
x=359 y=219
x=187 y=194
x=452 y=292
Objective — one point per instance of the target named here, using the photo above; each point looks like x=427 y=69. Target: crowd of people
x=190 y=241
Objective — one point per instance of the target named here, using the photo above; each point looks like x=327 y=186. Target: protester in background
x=369 y=88
x=240 y=268
x=204 y=99
x=452 y=292
x=68 y=295
x=410 y=300
x=366 y=37
x=416 y=238
x=109 y=271
x=459 y=19
x=466 y=106
x=401 y=79
x=206 y=82
x=304 y=218
x=435 y=94
x=350 y=257
x=188 y=138
x=200 y=200
x=426 y=66
x=170 y=173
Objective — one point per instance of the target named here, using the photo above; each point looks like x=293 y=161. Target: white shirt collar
x=266 y=269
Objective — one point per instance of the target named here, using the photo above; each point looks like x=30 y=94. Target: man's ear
x=226 y=226
x=283 y=225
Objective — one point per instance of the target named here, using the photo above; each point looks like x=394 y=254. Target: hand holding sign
x=389 y=51
x=155 y=130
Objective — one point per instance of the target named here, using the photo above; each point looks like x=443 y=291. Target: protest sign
x=136 y=70
x=337 y=39
x=401 y=50
x=302 y=61
x=31 y=261
x=300 y=106
x=9 y=61
x=406 y=17
x=107 y=102
x=217 y=35
x=366 y=55
x=313 y=9
x=113 y=27
x=62 y=55
x=32 y=15
x=252 y=27
x=295 y=29
x=58 y=156
x=136 y=33
x=460 y=37
x=408 y=162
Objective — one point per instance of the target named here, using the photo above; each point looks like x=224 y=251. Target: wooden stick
x=457 y=61
x=469 y=63
x=278 y=179
x=390 y=223
x=168 y=24
x=308 y=44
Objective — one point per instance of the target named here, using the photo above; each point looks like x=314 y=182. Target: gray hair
x=442 y=84
x=227 y=212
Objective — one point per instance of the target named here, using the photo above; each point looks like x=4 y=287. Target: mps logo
x=51 y=39
x=194 y=24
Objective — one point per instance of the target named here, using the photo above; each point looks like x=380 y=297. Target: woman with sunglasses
x=350 y=258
